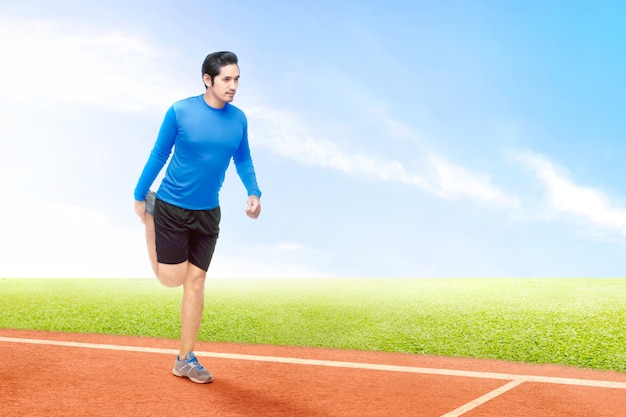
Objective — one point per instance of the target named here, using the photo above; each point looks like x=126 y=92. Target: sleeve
x=158 y=156
x=244 y=166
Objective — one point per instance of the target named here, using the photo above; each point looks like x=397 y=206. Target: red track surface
x=93 y=377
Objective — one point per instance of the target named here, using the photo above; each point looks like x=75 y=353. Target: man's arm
x=245 y=170
x=158 y=156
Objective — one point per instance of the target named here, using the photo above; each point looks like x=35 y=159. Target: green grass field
x=579 y=322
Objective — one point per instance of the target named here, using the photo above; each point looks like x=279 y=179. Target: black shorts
x=183 y=234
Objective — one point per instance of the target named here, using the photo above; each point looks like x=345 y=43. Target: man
x=182 y=219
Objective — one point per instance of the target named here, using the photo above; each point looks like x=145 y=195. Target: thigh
x=171 y=233
x=203 y=237
x=173 y=275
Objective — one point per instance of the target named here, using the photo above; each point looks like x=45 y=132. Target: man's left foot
x=189 y=367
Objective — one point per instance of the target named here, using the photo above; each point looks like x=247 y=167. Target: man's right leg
x=151 y=243
x=170 y=275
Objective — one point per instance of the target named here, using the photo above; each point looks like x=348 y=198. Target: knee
x=195 y=282
x=169 y=283
x=170 y=278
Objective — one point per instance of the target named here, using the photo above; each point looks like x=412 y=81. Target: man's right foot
x=150 y=200
x=189 y=367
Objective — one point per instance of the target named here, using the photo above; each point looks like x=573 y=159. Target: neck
x=212 y=101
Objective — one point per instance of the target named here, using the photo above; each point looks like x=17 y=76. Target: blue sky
x=391 y=139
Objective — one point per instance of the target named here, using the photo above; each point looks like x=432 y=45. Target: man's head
x=220 y=74
x=213 y=63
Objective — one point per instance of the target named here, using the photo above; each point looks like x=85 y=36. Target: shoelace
x=194 y=361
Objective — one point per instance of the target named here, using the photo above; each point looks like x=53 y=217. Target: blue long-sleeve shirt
x=204 y=139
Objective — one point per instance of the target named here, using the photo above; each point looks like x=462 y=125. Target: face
x=224 y=86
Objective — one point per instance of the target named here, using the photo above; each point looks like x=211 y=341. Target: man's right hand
x=140 y=210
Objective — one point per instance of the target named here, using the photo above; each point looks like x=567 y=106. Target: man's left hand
x=254 y=207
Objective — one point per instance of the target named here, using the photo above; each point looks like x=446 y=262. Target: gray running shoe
x=150 y=200
x=189 y=367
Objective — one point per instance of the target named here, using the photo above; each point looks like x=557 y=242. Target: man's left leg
x=202 y=240
x=192 y=308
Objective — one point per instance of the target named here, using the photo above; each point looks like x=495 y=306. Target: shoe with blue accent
x=150 y=201
x=189 y=367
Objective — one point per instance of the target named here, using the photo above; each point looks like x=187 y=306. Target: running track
x=60 y=374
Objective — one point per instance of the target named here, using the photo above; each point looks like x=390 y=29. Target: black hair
x=214 y=62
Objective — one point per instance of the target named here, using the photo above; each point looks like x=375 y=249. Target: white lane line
x=336 y=364
x=481 y=400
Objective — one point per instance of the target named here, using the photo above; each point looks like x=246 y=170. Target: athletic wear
x=204 y=140
x=189 y=367
x=183 y=234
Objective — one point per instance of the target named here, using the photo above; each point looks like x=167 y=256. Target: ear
x=207 y=79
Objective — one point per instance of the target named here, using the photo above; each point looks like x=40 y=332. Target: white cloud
x=286 y=135
x=585 y=203
x=50 y=62
x=58 y=240
x=453 y=181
